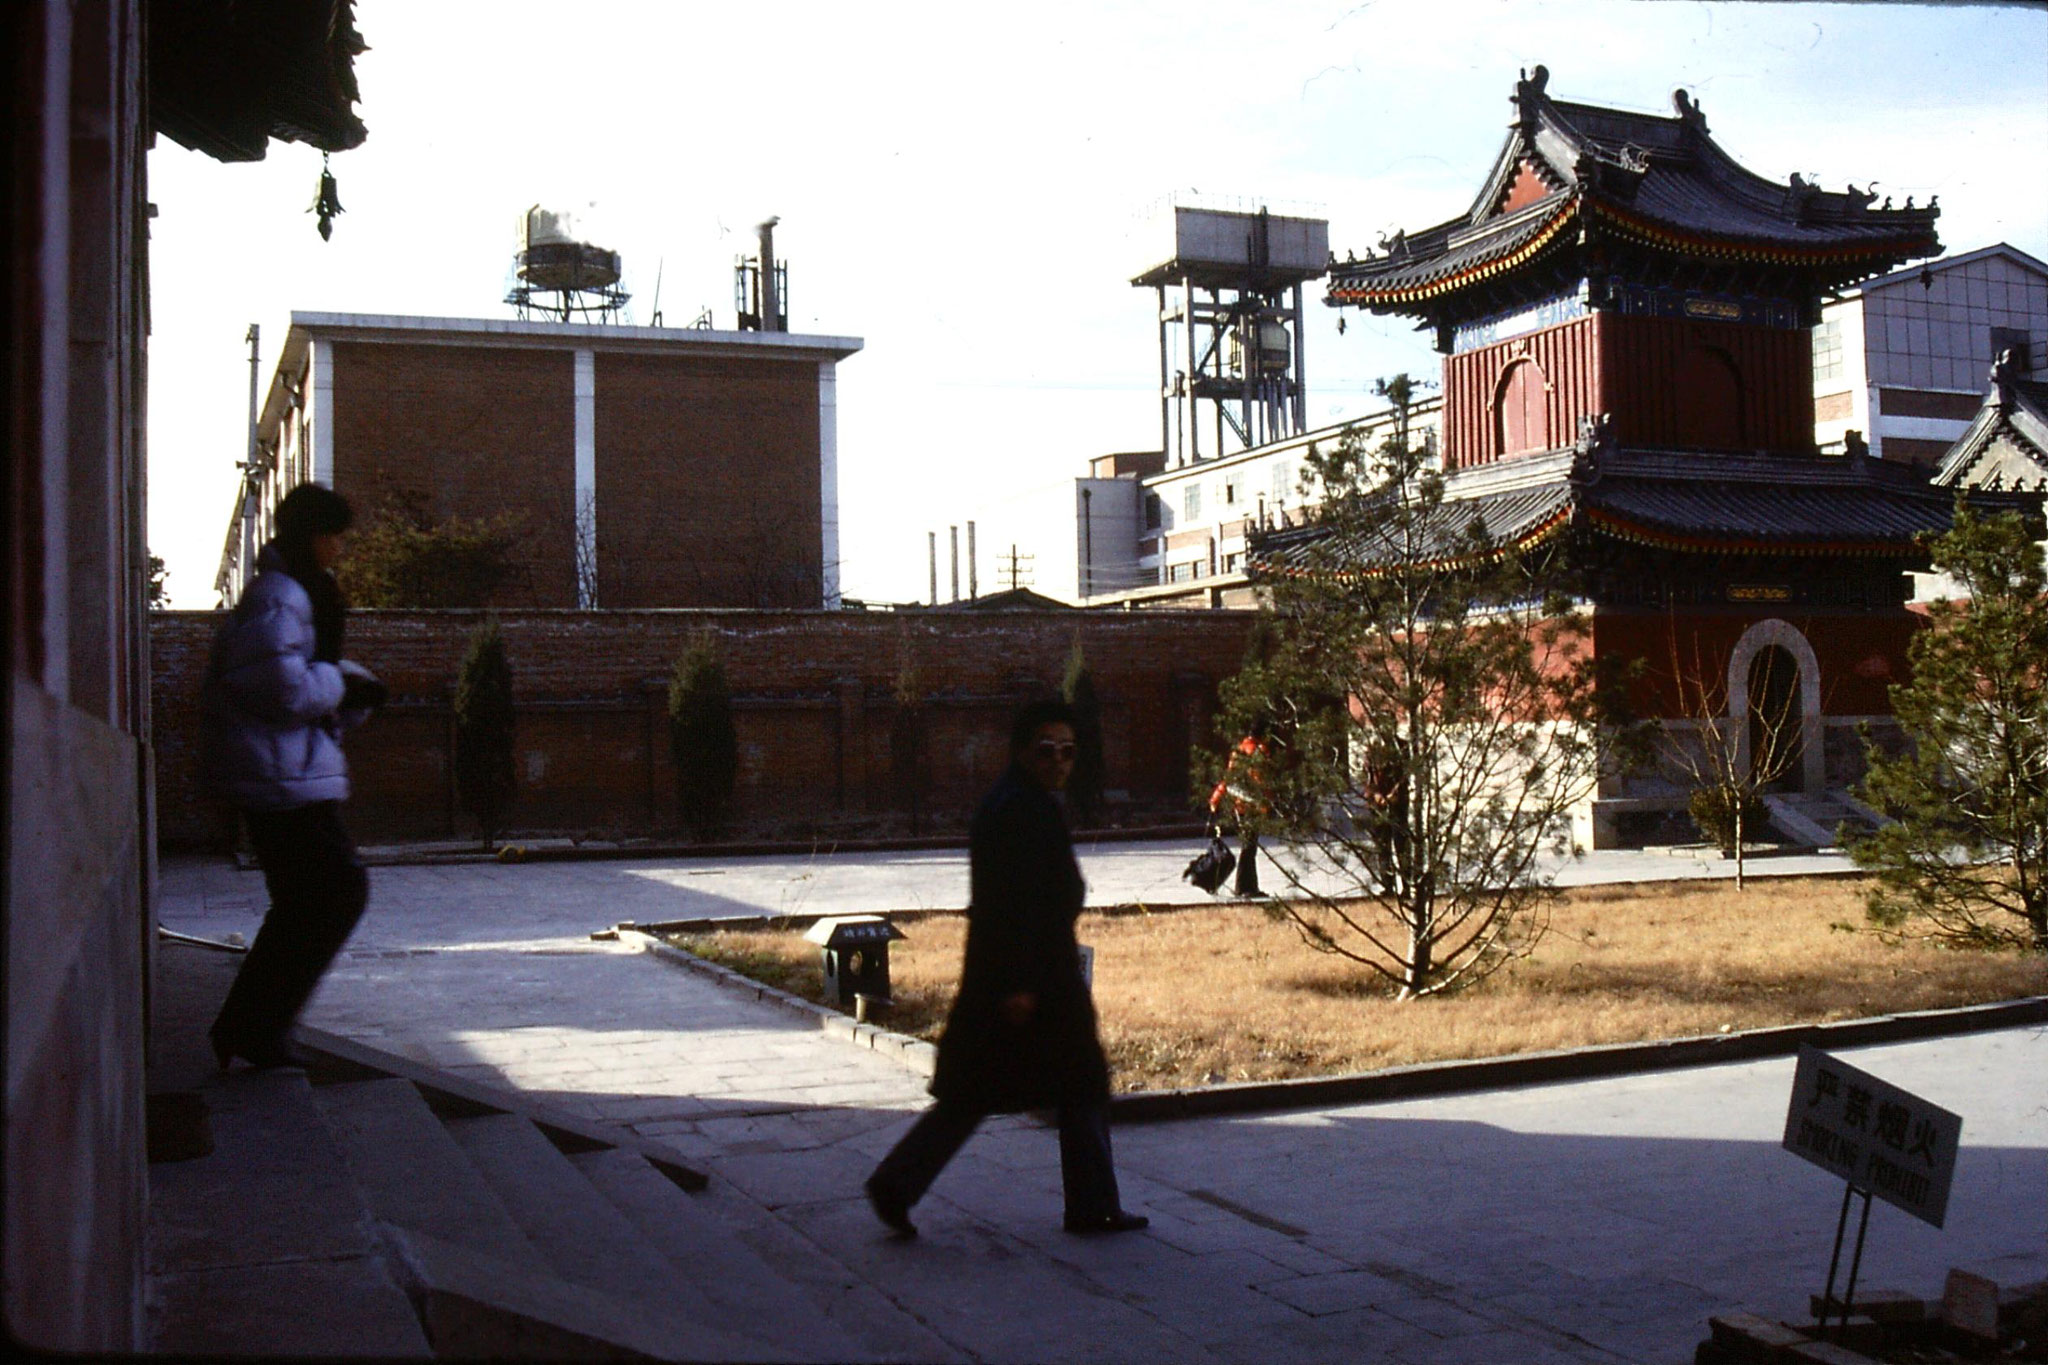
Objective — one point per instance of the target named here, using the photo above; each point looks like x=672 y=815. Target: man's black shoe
x=890 y=1208
x=1108 y=1222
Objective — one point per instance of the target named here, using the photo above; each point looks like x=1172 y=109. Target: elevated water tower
x=560 y=277
x=1228 y=284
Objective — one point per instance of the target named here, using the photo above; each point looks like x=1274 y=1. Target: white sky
x=957 y=185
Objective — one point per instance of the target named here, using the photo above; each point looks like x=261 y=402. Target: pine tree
x=1967 y=859
x=485 y=778
x=701 y=739
x=1077 y=689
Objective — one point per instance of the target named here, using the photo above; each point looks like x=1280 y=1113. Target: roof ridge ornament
x=1529 y=94
x=1689 y=112
x=2005 y=368
x=1800 y=197
x=1596 y=439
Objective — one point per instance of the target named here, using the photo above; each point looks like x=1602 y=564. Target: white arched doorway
x=1751 y=670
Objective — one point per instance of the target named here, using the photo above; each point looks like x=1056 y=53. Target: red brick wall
x=1860 y=656
x=707 y=482
x=823 y=746
x=476 y=432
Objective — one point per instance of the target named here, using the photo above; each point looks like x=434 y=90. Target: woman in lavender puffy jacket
x=278 y=697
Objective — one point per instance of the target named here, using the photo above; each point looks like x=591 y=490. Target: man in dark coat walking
x=1021 y=1034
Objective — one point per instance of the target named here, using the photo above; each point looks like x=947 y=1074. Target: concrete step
x=477 y=1307
x=1818 y=819
x=580 y=1233
x=263 y=1247
x=1800 y=820
x=761 y=1276
x=412 y=1175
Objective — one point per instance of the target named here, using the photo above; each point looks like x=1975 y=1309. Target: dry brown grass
x=1195 y=996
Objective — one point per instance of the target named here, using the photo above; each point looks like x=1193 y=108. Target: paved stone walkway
x=1593 y=1221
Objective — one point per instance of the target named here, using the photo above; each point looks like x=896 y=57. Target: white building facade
x=1902 y=359
x=1153 y=537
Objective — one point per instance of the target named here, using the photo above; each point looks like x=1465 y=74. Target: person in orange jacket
x=1240 y=786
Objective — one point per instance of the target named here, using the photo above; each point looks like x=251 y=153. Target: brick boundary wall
x=825 y=748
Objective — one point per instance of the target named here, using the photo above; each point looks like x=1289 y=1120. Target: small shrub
x=485 y=778
x=1084 y=788
x=405 y=556
x=1714 y=810
x=701 y=739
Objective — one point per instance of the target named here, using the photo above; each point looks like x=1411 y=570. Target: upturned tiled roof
x=1672 y=500
x=1662 y=184
x=1519 y=517
x=2006 y=444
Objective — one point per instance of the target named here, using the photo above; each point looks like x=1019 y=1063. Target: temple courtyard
x=1602 y=1218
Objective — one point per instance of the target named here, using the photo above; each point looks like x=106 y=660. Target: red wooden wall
x=1545 y=417
x=1668 y=383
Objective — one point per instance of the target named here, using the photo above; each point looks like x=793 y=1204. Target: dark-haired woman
x=278 y=697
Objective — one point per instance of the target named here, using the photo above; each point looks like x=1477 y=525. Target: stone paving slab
x=1596 y=1220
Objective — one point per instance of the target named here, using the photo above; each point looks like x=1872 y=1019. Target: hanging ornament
x=327 y=203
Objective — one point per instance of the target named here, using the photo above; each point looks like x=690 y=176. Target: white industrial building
x=1902 y=359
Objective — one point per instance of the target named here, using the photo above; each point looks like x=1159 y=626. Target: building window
x=1152 y=511
x=1183 y=573
x=1191 y=503
x=1233 y=562
x=1827 y=350
x=1283 y=482
x=2012 y=339
x=1233 y=490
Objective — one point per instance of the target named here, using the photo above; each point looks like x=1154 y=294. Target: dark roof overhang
x=226 y=76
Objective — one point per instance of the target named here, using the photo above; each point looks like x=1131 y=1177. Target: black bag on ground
x=1212 y=865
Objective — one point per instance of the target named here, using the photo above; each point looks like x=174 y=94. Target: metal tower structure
x=1230 y=328
x=559 y=277
x=760 y=286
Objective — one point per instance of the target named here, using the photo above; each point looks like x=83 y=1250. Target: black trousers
x=317 y=892
x=1248 y=865
x=1086 y=1168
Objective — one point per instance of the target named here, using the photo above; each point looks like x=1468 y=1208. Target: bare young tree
x=1728 y=761
x=1433 y=720
x=583 y=549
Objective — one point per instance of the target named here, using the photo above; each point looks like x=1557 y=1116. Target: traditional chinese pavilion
x=1625 y=315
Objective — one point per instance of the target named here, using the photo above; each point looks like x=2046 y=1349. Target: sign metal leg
x=1855 y=1261
x=1827 y=1296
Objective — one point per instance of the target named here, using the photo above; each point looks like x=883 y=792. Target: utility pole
x=1018 y=569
